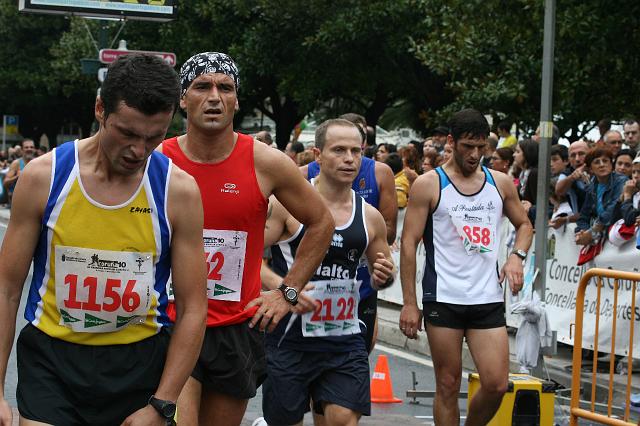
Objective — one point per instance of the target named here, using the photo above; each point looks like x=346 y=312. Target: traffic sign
x=108 y=56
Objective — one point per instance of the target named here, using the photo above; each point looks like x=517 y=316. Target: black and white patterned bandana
x=205 y=63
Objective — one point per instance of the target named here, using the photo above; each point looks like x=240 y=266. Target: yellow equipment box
x=528 y=401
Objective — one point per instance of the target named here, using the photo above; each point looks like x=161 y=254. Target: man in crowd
x=574 y=181
x=236 y=176
x=293 y=149
x=321 y=355
x=17 y=165
x=264 y=137
x=376 y=184
x=439 y=137
x=631 y=133
x=613 y=140
x=104 y=231
x=507 y=140
x=462 y=296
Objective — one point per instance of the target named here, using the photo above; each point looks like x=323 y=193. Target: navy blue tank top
x=348 y=245
x=366 y=186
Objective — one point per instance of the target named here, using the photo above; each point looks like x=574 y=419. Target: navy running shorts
x=294 y=377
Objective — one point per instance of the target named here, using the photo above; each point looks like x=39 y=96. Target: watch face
x=169 y=410
x=291 y=294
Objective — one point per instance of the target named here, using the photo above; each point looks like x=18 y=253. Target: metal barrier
x=590 y=413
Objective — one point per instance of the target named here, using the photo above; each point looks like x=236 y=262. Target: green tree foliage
x=490 y=54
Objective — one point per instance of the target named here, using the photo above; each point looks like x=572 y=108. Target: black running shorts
x=485 y=316
x=231 y=360
x=62 y=383
x=340 y=378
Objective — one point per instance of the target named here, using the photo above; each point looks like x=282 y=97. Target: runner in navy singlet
x=321 y=355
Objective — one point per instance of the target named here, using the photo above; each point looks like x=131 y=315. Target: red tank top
x=234 y=217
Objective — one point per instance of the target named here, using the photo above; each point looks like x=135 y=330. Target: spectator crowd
x=594 y=184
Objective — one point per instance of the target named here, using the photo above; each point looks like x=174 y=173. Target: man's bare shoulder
x=39 y=169
x=504 y=183
x=266 y=157
x=381 y=169
x=372 y=214
x=182 y=182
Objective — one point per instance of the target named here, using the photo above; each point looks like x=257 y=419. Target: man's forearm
x=524 y=236
x=8 y=313
x=563 y=186
x=310 y=253
x=391 y=230
x=270 y=280
x=408 y=273
x=184 y=348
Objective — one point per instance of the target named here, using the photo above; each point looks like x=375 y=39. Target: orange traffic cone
x=381 y=387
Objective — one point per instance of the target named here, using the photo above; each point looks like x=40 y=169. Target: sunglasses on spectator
x=603 y=161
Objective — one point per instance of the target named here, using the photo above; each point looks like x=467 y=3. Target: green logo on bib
x=484 y=249
x=347 y=325
x=328 y=326
x=312 y=327
x=121 y=321
x=66 y=317
x=218 y=290
x=91 y=321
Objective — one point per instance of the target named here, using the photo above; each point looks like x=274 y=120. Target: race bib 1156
x=100 y=291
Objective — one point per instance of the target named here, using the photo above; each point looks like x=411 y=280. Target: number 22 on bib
x=224 y=252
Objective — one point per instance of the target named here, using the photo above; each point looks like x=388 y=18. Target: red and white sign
x=108 y=56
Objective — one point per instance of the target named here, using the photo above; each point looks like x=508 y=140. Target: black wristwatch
x=290 y=294
x=520 y=253
x=166 y=409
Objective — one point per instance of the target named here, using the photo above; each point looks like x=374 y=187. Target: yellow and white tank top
x=100 y=272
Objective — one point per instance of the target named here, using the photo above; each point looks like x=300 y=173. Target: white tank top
x=461 y=239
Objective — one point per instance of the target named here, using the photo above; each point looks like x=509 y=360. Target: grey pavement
x=558 y=367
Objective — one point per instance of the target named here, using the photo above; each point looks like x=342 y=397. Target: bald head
x=577 y=153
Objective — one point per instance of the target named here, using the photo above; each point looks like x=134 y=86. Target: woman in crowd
x=432 y=159
x=410 y=162
x=526 y=157
x=383 y=150
x=604 y=190
x=501 y=160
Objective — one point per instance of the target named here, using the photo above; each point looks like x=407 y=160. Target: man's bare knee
x=336 y=415
x=448 y=385
x=495 y=387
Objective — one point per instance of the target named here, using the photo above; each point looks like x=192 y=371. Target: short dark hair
x=505 y=154
x=143 y=82
x=505 y=125
x=321 y=131
x=629 y=121
x=630 y=152
x=468 y=122
x=395 y=162
x=530 y=151
x=359 y=121
x=297 y=147
x=561 y=151
x=597 y=152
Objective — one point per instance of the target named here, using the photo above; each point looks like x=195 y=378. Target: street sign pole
x=546 y=135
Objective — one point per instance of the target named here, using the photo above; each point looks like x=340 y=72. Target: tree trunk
x=286 y=115
x=377 y=107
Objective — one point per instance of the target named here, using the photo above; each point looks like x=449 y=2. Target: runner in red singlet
x=236 y=175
